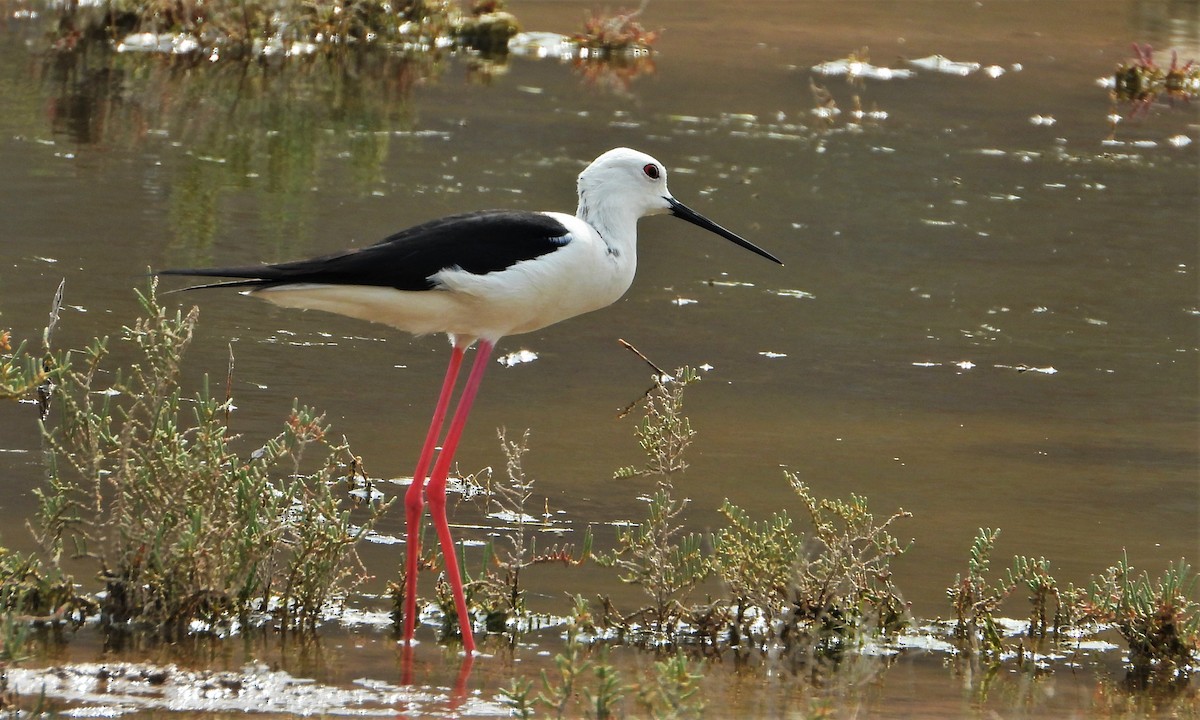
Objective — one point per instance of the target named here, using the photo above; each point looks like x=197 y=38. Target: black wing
x=478 y=242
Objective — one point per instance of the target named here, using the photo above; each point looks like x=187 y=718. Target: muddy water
x=988 y=314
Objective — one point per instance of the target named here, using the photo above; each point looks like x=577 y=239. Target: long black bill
x=684 y=212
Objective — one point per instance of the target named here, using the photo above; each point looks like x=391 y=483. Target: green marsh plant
x=1159 y=618
x=32 y=592
x=846 y=579
x=1034 y=575
x=147 y=484
x=258 y=28
x=584 y=683
x=562 y=688
x=664 y=433
x=498 y=589
x=828 y=585
x=672 y=691
x=656 y=554
x=976 y=598
x=822 y=588
x=20 y=373
x=755 y=559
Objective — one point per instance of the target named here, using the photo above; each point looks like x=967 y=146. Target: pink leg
x=414 y=499
x=436 y=492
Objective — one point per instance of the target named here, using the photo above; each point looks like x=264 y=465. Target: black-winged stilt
x=478 y=277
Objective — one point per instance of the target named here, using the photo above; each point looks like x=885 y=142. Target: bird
x=478 y=277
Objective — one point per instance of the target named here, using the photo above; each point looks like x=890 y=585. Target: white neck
x=616 y=222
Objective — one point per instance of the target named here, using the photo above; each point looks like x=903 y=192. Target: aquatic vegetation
x=183 y=528
x=818 y=589
x=604 y=694
x=559 y=693
x=664 y=433
x=673 y=691
x=497 y=591
x=847 y=578
x=976 y=599
x=613 y=49
x=665 y=562
x=249 y=29
x=259 y=29
x=1035 y=576
x=518 y=697
x=1158 y=618
x=755 y=560
x=655 y=554
x=584 y=683
x=1142 y=81
x=611 y=33
x=32 y=592
x=21 y=374
x=190 y=536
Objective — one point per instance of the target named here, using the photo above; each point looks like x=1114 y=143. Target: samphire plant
x=804 y=589
x=182 y=527
x=1159 y=618
x=976 y=597
x=498 y=589
x=583 y=683
x=656 y=554
x=825 y=587
x=261 y=28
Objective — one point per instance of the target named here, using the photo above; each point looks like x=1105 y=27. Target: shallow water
x=988 y=313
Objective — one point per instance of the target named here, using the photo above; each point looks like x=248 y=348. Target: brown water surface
x=985 y=317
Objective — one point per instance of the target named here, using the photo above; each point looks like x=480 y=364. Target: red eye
x=651 y=171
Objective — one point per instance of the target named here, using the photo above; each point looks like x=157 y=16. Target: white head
x=625 y=178
x=623 y=185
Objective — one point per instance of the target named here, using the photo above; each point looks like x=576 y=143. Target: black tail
x=250 y=277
